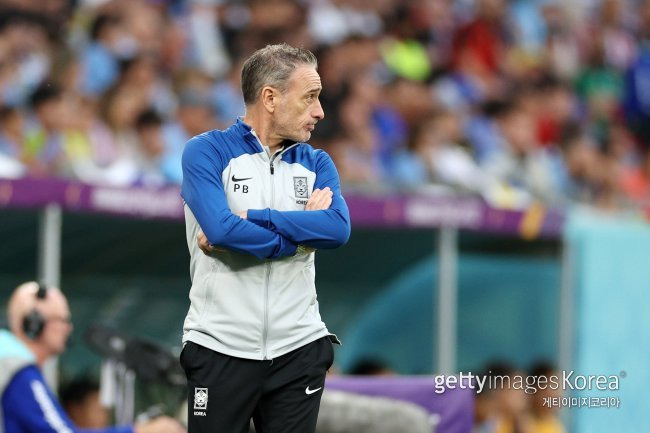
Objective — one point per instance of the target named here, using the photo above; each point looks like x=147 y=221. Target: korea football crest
x=200 y=401
x=300 y=187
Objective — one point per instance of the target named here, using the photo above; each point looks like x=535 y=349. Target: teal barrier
x=612 y=319
x=507 y=310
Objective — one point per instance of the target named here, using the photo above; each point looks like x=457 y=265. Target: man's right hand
x=205 y=246
x=320 y=199
x=161 y=424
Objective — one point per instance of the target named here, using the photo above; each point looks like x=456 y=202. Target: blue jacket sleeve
x=328 y=228
x=203 y=192
x=29 y=407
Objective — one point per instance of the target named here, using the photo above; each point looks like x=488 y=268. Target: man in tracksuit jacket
x=39 y=322
x=258 y=202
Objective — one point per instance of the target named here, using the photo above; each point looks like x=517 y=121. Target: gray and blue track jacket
x=256 y=299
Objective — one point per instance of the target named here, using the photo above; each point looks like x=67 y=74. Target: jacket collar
x=249 y=135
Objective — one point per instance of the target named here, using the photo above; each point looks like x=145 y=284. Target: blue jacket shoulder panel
x=302 y=154
x=327 y=174
x=220 y=147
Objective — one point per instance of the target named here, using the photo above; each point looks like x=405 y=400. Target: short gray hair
x=272 y=66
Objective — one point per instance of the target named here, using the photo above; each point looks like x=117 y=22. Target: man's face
x=58 y=326
x=298 y=109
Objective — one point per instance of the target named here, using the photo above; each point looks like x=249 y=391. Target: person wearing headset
x=39 y=327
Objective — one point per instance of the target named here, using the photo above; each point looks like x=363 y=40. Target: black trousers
x=281 y=396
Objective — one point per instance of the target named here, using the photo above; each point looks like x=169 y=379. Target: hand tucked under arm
x=320 y=199
x=206 y=247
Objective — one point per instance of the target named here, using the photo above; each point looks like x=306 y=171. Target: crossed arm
x=264 y=233
x=320 y=199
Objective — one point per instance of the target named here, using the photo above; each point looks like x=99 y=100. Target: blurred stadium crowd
x=516 y=101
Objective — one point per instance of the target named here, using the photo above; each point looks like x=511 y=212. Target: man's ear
x=269 y=98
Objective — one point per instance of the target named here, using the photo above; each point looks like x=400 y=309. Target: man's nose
x=318 y=111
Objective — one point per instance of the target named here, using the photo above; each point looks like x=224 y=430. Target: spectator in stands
x=80 y=400
x=577 y=167
x=522 y=171
x=205 y=37
x=434 y=155
x=402 y=52
x=195 y=115
x=100 y=164
x=636 y=182
x=482 y=131
x=479 y=54
x=561 y=56
x=155 y=165
x=613 y=24
x=44 y=150
x=120 y=110
x=556 y=109
x=11 y=142
x=144 y=24
x=139 y=76
x=600 y=88
x=39 y=323
x=452 y=163
x=25 y=60
x=100 y=58
x=374 y=127
x=226 y=97
x=412 y=166
x=636 y=101
x=361 y=153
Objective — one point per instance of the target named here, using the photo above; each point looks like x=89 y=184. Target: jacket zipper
x=265 y=331
x=269 y=263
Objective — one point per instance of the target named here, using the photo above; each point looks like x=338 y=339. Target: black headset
x=34 y=322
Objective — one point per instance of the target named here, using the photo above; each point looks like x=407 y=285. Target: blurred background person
x=40 y=325
x=44 y=150
x=544 y=416
x=80 y=400
x=11 y=141
x=504 y=408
